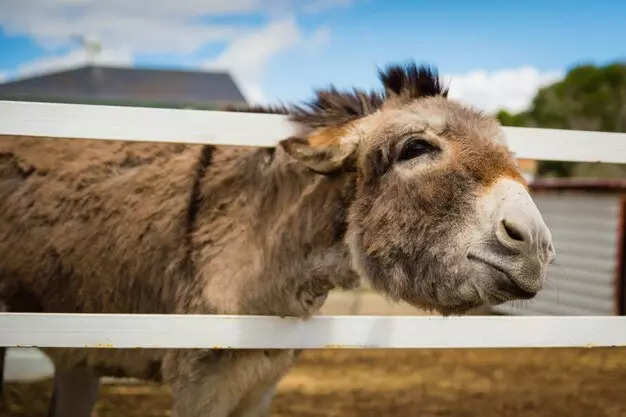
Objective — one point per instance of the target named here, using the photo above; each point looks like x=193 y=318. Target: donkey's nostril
x=513 y=231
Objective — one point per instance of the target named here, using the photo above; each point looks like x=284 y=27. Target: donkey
x=403 y=187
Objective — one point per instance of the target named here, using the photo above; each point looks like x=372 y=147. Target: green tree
x=588 y=98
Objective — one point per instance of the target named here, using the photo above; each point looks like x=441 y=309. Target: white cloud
x=320 y=37
x=3 y=76
x=247 y=57
x=155 y=26
x=72 y=59
x=511 y=89
x=160 y=26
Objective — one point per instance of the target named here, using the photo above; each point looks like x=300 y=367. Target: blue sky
x=493 y=54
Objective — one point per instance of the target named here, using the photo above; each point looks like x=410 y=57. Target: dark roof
x=127 y=85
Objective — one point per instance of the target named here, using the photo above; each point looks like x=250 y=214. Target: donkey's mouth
x=508 y=284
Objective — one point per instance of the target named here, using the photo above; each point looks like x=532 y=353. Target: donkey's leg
x=214 y=383
x=75 y=393
x=257 y=402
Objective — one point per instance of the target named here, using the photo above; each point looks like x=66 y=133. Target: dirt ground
x=405 y=383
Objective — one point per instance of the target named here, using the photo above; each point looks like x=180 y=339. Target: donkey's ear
x=324 y=159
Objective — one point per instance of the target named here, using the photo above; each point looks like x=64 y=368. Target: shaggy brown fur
x=109 y=227
x=144 y=228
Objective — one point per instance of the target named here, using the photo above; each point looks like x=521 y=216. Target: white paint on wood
x=566 y=145
x=266 y=332
x=54 y=120
x=84 y=121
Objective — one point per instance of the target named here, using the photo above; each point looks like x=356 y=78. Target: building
x=128 y=86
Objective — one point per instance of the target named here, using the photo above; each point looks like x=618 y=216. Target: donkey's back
x=85 y=224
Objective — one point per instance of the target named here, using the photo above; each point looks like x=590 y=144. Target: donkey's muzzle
x=522 y=247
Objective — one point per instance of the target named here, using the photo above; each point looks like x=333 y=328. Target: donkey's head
x=441 y=217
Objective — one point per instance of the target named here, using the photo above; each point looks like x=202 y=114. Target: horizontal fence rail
x=267 y=332
x=81 y=121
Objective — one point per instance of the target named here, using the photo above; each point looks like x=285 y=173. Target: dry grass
x=406 y=383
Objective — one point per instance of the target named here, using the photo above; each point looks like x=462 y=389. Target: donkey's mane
x=332 y=107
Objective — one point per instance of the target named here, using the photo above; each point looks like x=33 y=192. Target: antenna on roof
x=91 y=46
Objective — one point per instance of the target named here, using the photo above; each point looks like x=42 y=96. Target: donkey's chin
x=467 y=296
x=449 y=300
x=484 y=285
x=496 y=284
x=457 y=309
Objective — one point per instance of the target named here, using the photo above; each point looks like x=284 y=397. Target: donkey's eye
x=413 y=148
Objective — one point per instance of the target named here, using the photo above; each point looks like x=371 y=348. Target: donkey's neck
x=304 y=223
x=276 y=233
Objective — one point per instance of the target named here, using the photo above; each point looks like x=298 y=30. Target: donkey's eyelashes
x=414 y=147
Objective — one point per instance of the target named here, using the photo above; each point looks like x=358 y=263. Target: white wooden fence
x=52 y=120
